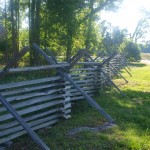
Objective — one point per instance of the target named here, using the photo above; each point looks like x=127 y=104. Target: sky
x=128 y=15
x=2 y=3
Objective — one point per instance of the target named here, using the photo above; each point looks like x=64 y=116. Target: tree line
x=63 y=26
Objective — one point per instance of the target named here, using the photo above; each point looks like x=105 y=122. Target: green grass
x=131 y=114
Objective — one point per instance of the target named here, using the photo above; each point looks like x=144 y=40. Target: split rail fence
x=32 y=104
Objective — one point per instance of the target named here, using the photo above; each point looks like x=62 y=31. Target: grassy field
x=131 y=115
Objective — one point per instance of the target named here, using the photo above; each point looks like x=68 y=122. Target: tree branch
x=99 y=8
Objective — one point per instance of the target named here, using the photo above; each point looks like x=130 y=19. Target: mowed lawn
x=131 y=115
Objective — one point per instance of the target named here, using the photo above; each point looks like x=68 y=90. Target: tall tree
x=142 y=28
x=15 y=27
x=34 y=28
x=2 y=32
x=71 y=15
x=6 y=43
x=65 y=24
x=65 y=13
x=113 y=37
x=89 y=28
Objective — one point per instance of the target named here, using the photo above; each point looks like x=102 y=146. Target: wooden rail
x=45 y=101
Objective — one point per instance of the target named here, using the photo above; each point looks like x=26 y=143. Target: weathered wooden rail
x=41 y=102
x=45 y=101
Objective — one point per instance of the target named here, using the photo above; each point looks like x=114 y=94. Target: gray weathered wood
x=46 y=100
x=32 y=109
x=24 y=83
x=30 y=95
x=34 y=101
x=78 y=93
x=10 y=137
x=88 y=63
x=83 y=73
x=79 y=97
x=83 y=69
x=30 y=118
x=36 y=68
x=30 y=89
x=30 y=124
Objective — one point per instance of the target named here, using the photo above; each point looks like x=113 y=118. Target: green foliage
x=145 y=48
x=63 y=26
x=113 y=37
x=132 y=51
x=67 y=27
x=2 y=46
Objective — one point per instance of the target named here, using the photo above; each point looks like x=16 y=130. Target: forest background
x=64 y=27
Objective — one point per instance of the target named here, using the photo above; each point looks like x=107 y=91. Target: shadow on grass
x=137 y=64
x=130 y=113
x=135 y=108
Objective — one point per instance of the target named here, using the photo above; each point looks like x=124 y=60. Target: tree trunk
x=34 y=29
x=14 y=31
x=45 y=28
x=89 y=28
x=6 y=47
x=69 y=43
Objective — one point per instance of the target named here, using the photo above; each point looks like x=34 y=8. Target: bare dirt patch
x=145 y=61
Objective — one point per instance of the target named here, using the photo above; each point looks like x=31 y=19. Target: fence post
x=67 y=103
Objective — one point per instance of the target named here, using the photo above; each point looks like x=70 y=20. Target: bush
x=132 y=51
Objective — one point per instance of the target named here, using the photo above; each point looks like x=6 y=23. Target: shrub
x=132 y=51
